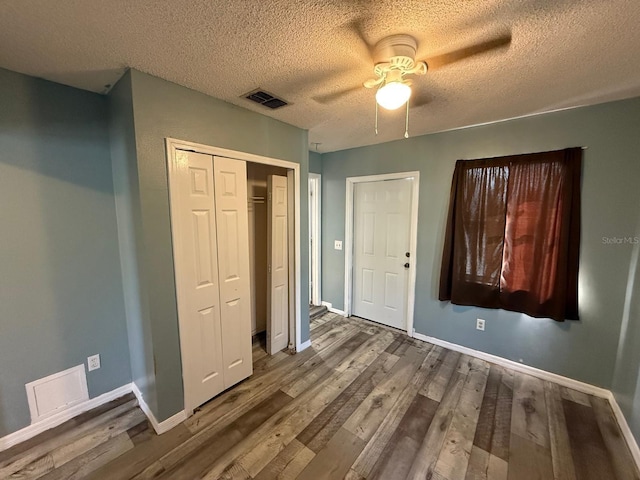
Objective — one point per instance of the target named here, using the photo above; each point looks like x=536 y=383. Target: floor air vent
x=264 y=98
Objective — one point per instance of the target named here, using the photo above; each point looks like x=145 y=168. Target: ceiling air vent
x=264 y=98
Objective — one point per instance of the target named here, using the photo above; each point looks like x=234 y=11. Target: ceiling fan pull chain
x=376 y=128
x=406 y=123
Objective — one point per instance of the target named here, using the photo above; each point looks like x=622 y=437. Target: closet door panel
x=278 y=258
x=197 y=277
x=232 y=227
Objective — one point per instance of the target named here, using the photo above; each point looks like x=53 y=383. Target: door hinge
x=269 y=196
x=269 y=268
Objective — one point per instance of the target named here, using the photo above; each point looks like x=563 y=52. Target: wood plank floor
x=363 y=402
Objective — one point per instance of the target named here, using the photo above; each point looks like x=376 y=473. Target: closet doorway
x=225 y=249
x=268 y=206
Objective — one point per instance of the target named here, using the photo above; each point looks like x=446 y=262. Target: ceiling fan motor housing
x=396 y=49
x=394 y=57
x=397 y=53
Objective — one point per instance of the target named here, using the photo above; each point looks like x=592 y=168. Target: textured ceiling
x=563 y=53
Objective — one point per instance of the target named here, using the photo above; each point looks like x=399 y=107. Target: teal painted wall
x=626 y=381
x=584 y=350
x=61 y=294
x=162 y=109
x=315 y=162
x=127 y=199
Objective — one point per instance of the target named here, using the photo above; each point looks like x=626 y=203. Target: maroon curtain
x=513 y=234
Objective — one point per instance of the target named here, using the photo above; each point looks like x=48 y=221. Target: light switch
x=338 y=245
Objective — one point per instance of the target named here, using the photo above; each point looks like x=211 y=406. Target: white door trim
x=172 y=145
x=413 y=239
x=316 y=228
x=293 y=190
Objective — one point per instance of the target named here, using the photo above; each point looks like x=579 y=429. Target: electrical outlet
x=480 y=324
x=337 y=245
x=94 y=362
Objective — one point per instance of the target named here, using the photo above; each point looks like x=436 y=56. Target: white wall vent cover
x=57 y=392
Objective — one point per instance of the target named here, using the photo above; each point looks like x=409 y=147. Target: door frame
x=413 y=239
x=293 y=176
x=315 y=263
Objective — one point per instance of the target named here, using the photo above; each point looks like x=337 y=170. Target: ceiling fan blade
x=443 y=60
x=357 y=26
x=312 y=80
x=420 y=100
x=422 y=94
x=334 y=96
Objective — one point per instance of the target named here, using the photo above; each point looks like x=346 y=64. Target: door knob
x=406 y=265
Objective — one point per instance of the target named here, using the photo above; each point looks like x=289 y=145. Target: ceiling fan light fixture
x=393 y=95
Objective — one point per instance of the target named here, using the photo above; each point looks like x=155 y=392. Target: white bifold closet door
x=211 y=244
x=278 y=264
x=233 y=265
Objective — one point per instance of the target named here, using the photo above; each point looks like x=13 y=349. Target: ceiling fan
x=394 y=59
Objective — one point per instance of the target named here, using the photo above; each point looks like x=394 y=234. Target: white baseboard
x=59 y=418
x=552 y=377
x=334 y=310
x=159 y=427
x=303 y=346
x=519 y=367
x=626 y=430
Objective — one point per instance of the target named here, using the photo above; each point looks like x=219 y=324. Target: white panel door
x=278 y=265
x=233 y=267
x=381 y=241
x=197 y=277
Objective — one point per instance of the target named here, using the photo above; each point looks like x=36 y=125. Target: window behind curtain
x=513 y=234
